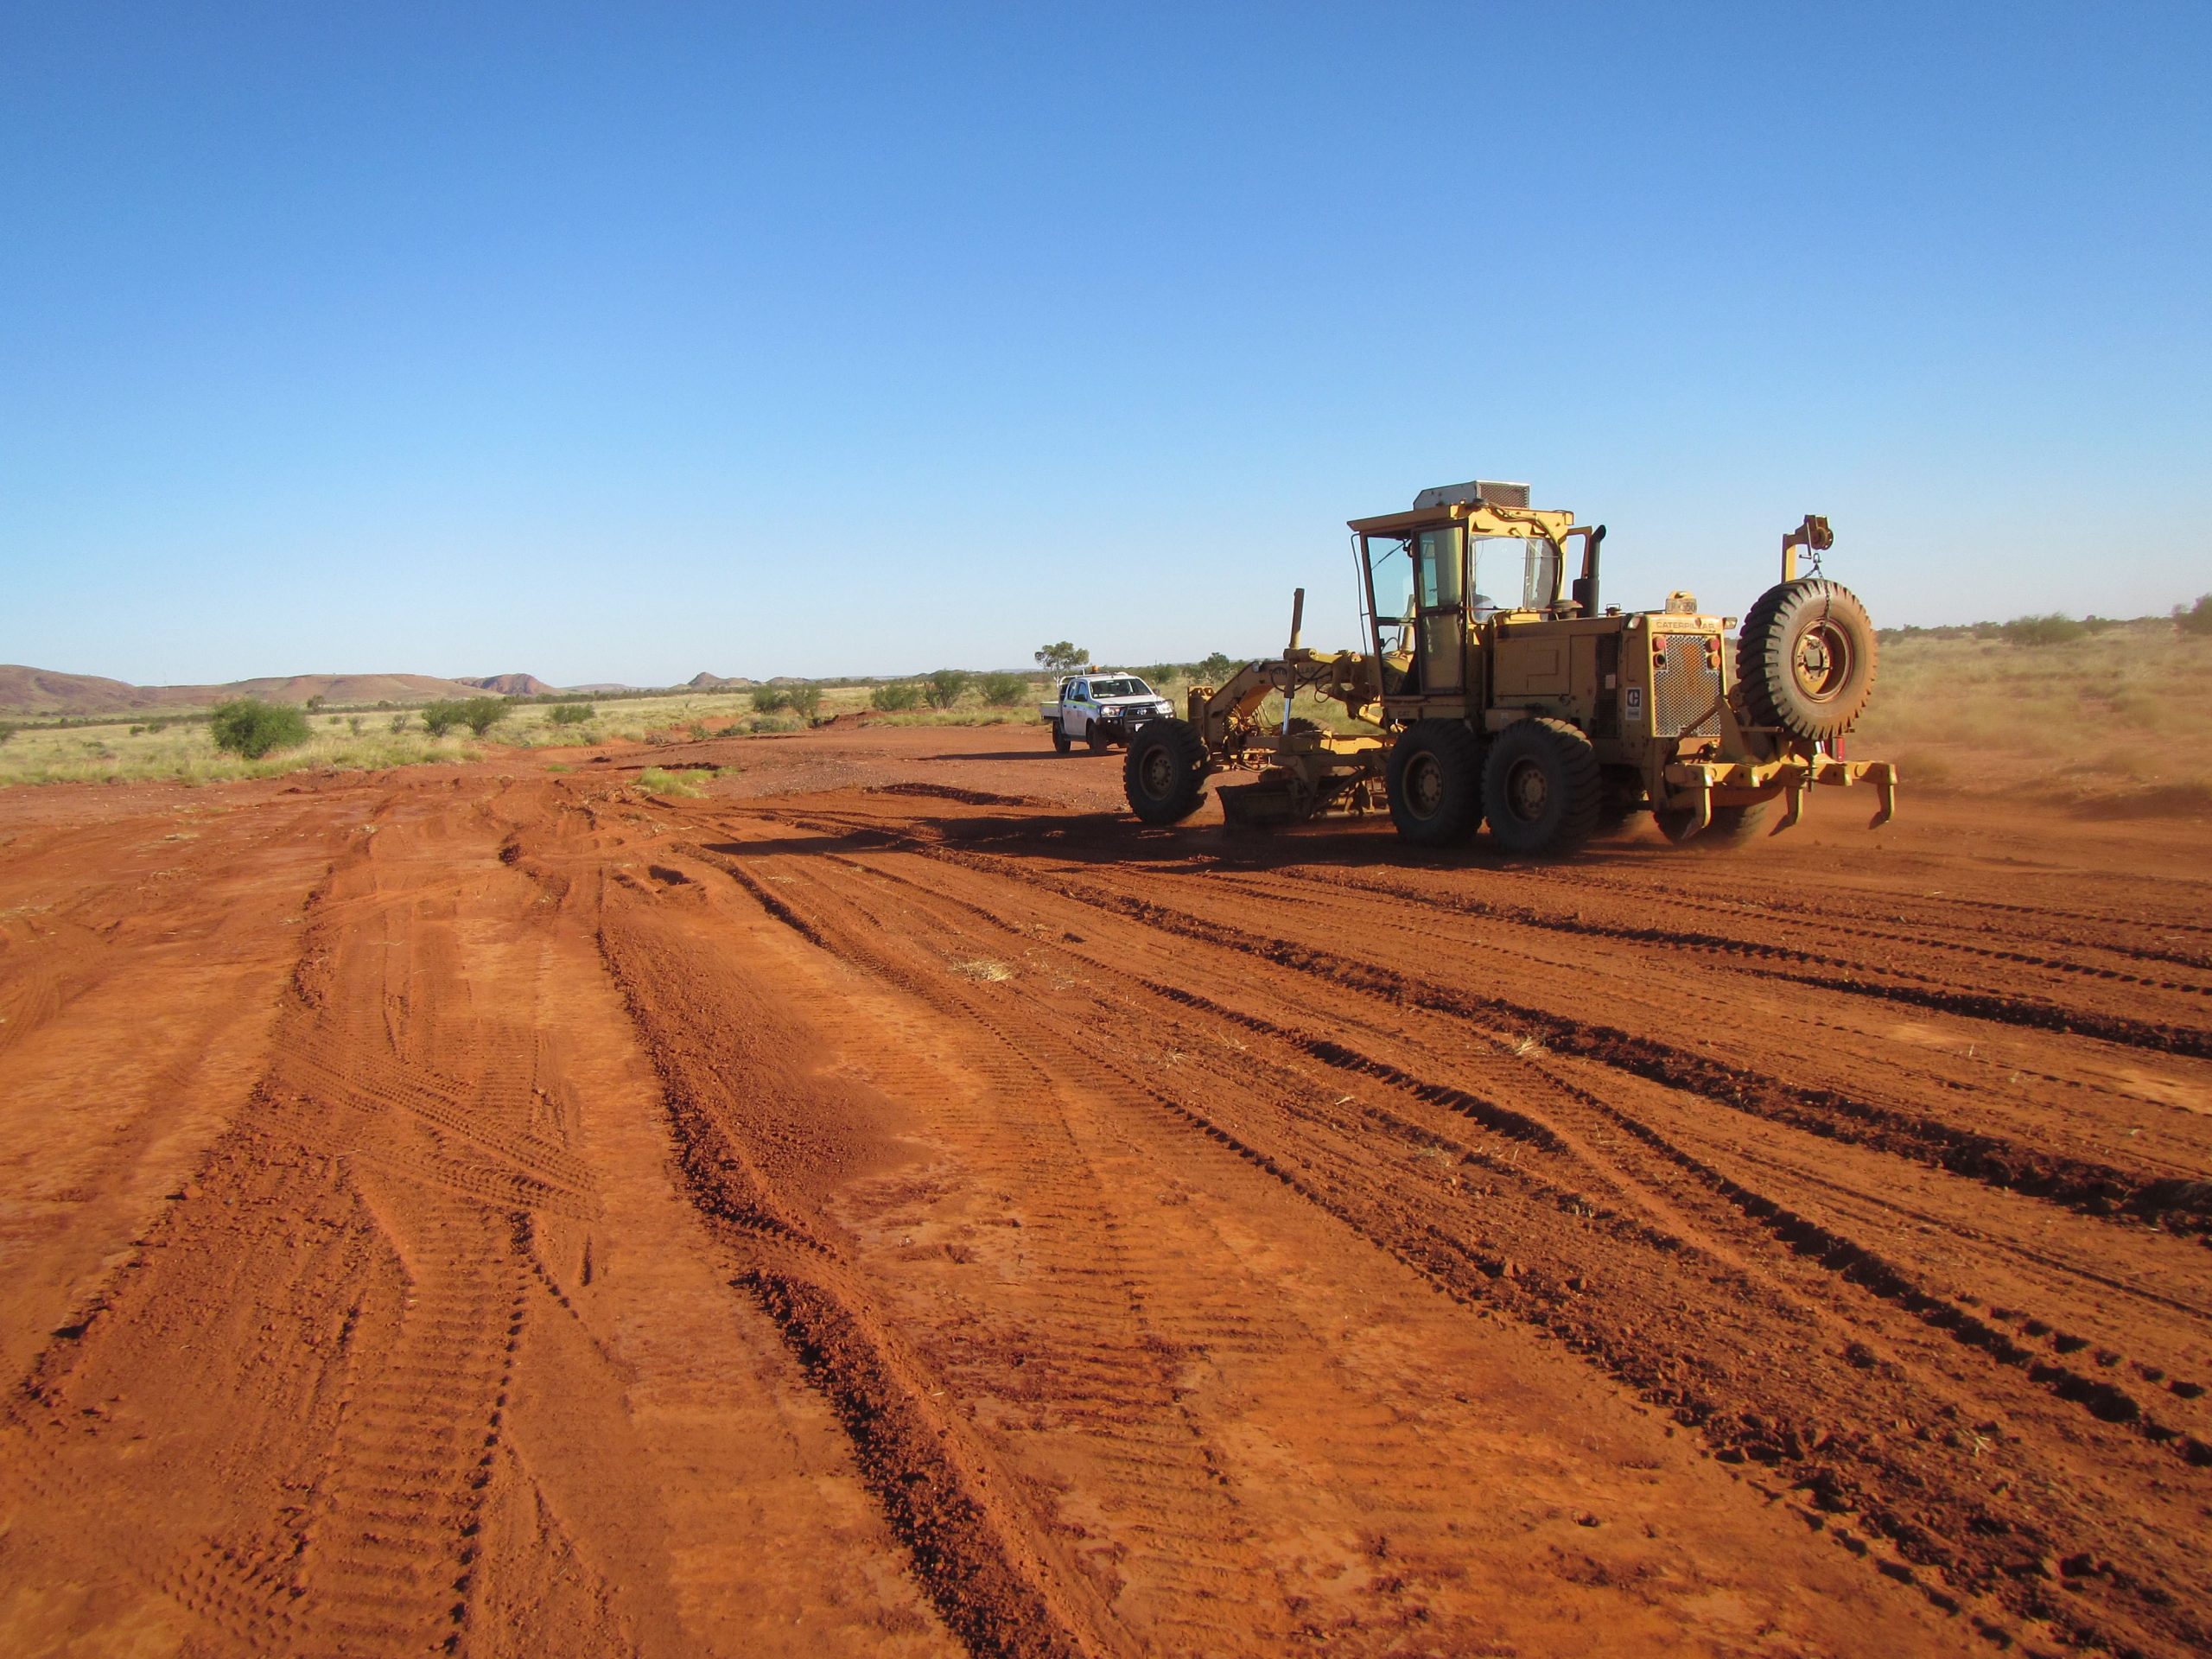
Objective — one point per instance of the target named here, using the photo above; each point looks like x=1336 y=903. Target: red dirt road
x=894 y=1205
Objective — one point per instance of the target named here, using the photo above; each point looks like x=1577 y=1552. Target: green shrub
x=895 y=695
x=248 y=727
x=571 y=714
x=8 y=730
x=805 y=700
x=399 y=722
x=2196 y=621
x=353 y=724
x=945 y=687
x=768 y=699
x=441 y=717
x=2051 y=630
x=480 y=715
x=1003 y=690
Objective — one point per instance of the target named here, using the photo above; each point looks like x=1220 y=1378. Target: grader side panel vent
x=1685 y=689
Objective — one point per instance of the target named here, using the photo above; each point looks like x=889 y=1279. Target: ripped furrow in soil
x=1780 y=1242
x=1853 y=1047
x=1488 y=1257
x=2094 y=1188
x=1876 y=969
x=1224 y=1341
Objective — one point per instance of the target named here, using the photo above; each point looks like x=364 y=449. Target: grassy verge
x=2125 y=711
x=179 y=747
x=187 y=753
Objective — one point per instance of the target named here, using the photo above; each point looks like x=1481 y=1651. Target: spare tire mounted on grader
x=1545 y=717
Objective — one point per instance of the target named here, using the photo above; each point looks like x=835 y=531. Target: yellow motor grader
x=1542 y=713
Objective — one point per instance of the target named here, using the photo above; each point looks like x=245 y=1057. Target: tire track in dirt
x=1488 y=1269
x=973 y=1547
x=1834 y=1255
x=2077 y=1183
x=844 y=912
x=1882 y=978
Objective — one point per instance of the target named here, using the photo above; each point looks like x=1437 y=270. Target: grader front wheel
x=1164 y=774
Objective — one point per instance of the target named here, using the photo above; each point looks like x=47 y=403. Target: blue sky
x=622 y=342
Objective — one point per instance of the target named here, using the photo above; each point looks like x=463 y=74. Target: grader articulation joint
x=1543 y=715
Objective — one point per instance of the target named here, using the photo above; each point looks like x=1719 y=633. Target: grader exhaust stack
x=1533 y=711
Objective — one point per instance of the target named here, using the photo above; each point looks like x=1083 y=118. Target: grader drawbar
x=1545 y=716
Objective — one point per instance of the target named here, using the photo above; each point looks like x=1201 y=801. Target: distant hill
x=513 y=685
x=703 y=682
x=44 y=691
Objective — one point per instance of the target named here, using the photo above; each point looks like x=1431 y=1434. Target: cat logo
x=1632 y=707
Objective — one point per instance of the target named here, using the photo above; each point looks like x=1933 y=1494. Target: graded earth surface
x=891 y=1204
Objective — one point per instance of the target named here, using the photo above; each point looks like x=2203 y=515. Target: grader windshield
x=1423 y=582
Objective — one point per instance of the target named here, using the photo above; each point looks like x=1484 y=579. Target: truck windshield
x=1131 y=686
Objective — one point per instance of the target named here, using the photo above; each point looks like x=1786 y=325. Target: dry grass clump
x=689 y=785
x=2124 y=709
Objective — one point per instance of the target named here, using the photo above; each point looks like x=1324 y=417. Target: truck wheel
x=1095 y=734
x=1435 y=781
x=1732 y=826
x=1164 y=774
x=1806 y=659
x=1541 y=788
x=1061 y=741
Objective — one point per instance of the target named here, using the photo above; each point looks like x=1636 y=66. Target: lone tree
x=1062 y=658
x=1003 y=690
x=805 y=700
x=945 y=687
x=248 y=727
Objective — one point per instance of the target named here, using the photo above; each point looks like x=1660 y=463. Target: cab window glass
x=1438 y=553
x=1541 y=582
x=1390 y=565
x=1080 y=691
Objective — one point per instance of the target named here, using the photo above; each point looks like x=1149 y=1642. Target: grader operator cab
x=1495 y=688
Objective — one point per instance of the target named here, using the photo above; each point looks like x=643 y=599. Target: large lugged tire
x=1164 y=774
x=1541 y=788
x=1806 y=659
x=1434 y=781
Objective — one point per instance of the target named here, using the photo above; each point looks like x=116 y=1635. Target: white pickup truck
x=1102 y=709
